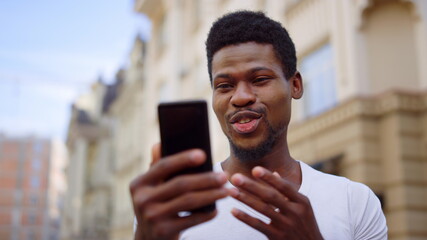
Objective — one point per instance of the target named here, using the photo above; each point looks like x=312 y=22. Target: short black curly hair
x=247 y=26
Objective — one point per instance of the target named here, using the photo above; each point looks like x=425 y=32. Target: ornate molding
x=371 y=107
x=362 y=6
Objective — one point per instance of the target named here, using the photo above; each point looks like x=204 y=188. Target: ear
x=296 y=85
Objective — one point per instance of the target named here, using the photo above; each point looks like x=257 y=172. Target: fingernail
x=235 y=211
x=221 y=178
x=237 y=179
x=258 y=171
x=276 y=173
x=196 y=156
x=234 y=192
x=225 y=191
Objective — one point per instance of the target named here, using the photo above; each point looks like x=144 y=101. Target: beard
x=261 y=150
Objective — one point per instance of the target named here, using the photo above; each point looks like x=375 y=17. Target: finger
x=175 y=225
x=192 y=200
x=260 y=189
x=283 y=186
x=155 y=153
x=167 y=166
x=257 y=204
x=254 y=222
x=263 y=191
x=180 y=185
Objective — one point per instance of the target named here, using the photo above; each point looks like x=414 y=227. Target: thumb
x=155 y=153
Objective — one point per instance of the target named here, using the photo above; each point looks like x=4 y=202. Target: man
x=265 y=193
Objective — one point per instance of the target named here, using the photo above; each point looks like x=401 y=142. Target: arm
x=156 y=202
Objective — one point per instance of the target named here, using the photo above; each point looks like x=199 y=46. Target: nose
x=243 y=95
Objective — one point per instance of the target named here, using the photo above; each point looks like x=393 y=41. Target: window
x=34 y=199
x=319 y=79
x=36 y=164
x=32 y=217
x=35 y=182
x=37 y=147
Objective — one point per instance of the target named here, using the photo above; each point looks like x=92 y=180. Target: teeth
x=245 y=120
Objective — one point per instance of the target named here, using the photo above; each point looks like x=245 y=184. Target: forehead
x=247 y=54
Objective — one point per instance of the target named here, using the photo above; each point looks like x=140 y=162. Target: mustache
x=261 y=111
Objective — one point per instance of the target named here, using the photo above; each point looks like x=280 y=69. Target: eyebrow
x=256 y=69
x=251 y=71
x=222 y=75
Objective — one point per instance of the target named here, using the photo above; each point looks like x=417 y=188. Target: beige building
x=363 y=114
x=129 y=127
x=104 y=142
x=88 y=206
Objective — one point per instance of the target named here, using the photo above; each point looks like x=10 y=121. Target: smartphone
x=184 y=125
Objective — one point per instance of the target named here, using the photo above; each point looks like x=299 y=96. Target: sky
x=52 y=51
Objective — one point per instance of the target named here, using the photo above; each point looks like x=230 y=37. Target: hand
x=290 y=212
x=156 y=202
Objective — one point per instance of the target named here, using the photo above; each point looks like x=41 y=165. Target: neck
x=277 y=160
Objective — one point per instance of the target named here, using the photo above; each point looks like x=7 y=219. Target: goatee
x=260 y=151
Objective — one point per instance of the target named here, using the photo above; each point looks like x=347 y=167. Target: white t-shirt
x=343 y=210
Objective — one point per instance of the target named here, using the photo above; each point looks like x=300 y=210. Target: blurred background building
x=104 y=139
x=32 y=184
x=363 y=114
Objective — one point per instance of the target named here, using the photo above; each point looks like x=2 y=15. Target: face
x=251 y=97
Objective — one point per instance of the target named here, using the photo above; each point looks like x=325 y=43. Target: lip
x=249 y=124
x=244 y=114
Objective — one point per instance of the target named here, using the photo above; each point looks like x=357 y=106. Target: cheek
x=219 y=108
x=280 y=106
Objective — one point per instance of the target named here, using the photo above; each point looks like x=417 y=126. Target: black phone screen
x=183 y=126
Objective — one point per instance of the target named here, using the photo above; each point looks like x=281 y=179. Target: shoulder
x=351 y=201
x=366 y=212
x=315 y=181
x=315 y=178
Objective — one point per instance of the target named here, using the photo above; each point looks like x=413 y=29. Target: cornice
x=369 y=107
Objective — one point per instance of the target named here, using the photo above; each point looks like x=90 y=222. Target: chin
x=252 y=151
x=255 y=148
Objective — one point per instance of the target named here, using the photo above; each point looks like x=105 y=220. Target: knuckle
x=305 y=199
x=140 y=201
x=160 y=230
x=163 y=164
x=258 y=224
x=289 y=223
x=150 y=214
x=271 y=195
x=133 y=185
x=180 y=184
x=187 y=198
x=306 y=205
x=266 y=208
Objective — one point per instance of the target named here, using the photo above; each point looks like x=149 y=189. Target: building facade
x=104 y=142
x=363 y=113
x=31 y=188
x=129 y=126
x=88 y=206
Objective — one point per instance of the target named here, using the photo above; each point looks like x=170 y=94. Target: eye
x=223 y=86
x=260 y=80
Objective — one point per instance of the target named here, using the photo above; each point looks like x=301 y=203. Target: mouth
x=245 y=122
